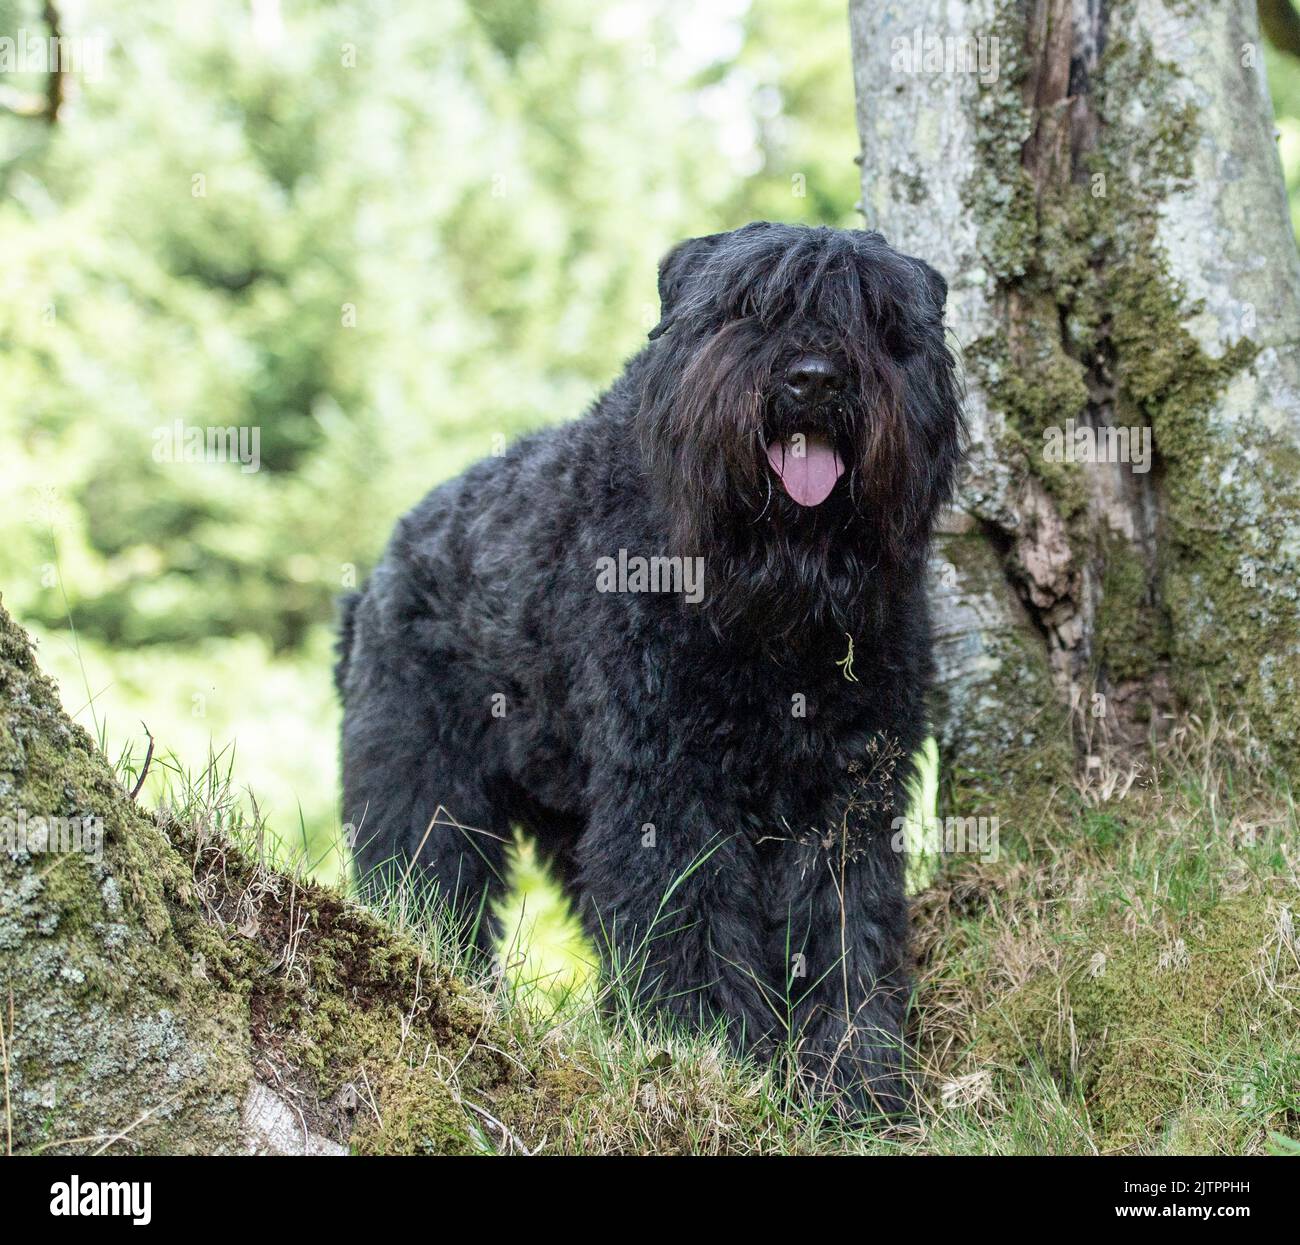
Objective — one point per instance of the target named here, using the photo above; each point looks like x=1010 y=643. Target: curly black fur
x=714 y=782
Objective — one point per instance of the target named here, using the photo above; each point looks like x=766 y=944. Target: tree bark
x=1102 y=190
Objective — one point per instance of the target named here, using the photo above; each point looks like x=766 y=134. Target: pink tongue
x=807 y=471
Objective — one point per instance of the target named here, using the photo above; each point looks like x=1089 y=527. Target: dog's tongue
x=809 y=471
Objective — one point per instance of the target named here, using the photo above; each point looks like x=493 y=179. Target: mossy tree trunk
x=1099 y=181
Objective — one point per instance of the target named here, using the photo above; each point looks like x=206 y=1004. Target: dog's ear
x=935 y=403
x=675 y=271
x=934 y=284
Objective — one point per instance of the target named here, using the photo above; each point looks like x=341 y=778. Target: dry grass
x=1125 y=977
x=1127 y=973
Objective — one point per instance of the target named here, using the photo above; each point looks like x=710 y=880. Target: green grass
x=274 y=720
x=1130 y=984
x=544 y=948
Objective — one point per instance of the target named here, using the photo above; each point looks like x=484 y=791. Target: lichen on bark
x=118 y=1027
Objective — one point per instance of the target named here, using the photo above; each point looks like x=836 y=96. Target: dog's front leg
x=669 y=893
x=848 y=988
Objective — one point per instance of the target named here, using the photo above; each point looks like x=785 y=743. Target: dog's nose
x=812 y=376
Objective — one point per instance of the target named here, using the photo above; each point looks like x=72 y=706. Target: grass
x=1124 y=977
x=1132 y=968
x=195 y=700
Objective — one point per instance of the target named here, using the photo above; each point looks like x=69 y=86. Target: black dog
x=683 y=642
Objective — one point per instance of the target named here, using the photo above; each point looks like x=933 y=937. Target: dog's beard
x=781 y=590
x=793 y=509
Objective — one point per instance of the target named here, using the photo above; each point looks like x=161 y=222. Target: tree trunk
x=1098 y=179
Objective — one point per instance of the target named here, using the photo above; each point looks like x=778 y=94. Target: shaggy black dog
x=683 y=642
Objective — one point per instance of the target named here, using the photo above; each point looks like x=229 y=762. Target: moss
x=1037 y=387
x=1225 y=584
x=1136 y=1023
x=1005 y=725
x=418 y=1115
x=1000 y=194
x=1132 y=638
x=1164 y=374
x=1229 y=584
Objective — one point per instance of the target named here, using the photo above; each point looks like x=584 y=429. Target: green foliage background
x=385 y=235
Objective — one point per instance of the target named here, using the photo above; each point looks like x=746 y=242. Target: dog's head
x=800 y=413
